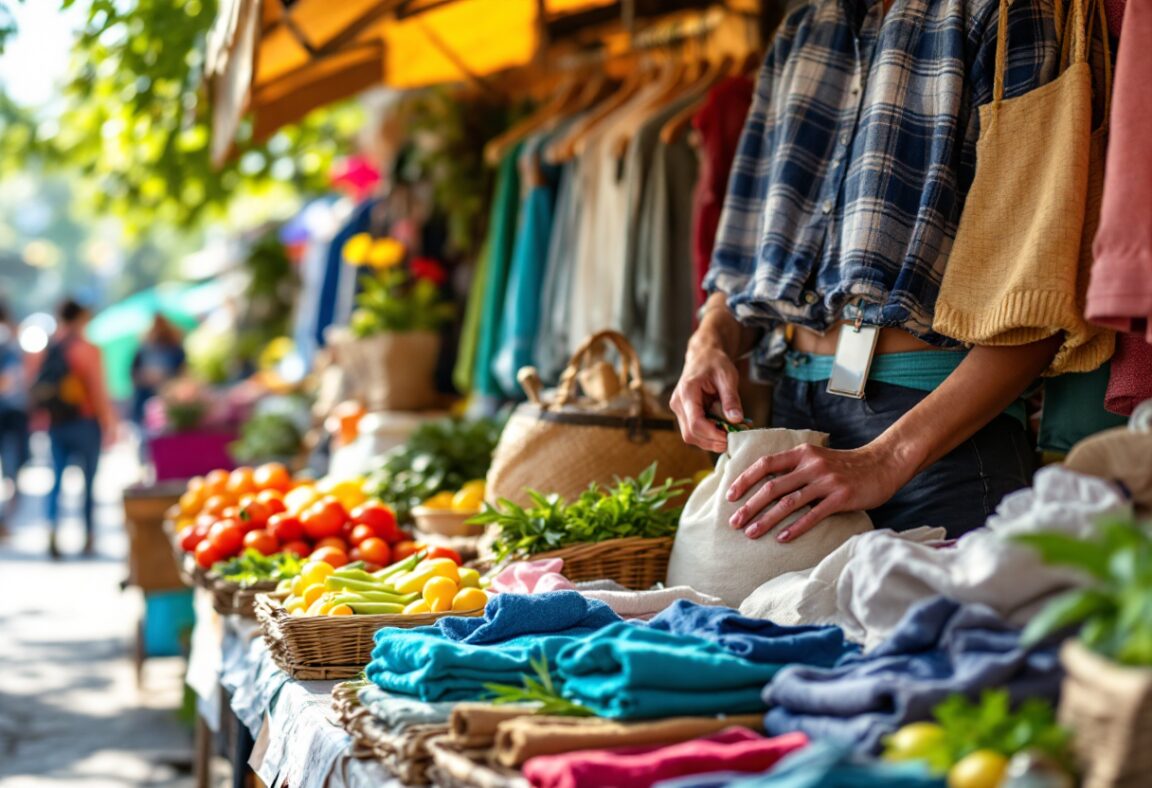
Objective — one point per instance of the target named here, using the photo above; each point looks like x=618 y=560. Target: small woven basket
x=233 y=599
x=1109 y=709
x=328 y=647
x=456 y=767
x=632 y=562
x=405 y=756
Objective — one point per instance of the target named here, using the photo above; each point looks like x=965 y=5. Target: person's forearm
x=985 y=383
x=719 y=328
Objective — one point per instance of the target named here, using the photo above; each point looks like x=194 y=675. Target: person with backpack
x=69 y=388
x=13 y=415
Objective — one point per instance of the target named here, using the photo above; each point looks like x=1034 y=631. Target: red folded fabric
x=731 y=750
x=1130 y=380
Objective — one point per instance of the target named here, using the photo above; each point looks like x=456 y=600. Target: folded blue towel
x=421 y=663
x=398 y=713
x=509 y=616
x=938 y=649
x=820 y=765
x=756 y=639
x=631 y=671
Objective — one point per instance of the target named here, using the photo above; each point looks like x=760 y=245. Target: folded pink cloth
x=1130 y=380
x=531 y=577
x=731 y=750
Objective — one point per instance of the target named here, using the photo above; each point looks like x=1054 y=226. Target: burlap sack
x=715 y=558
x=564 y=445
x=393 y=371
x=1019 y=268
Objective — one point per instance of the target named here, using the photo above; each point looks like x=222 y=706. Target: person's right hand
x=709 y=377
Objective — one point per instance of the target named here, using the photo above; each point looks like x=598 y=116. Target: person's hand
x=830 y=480
x=709 y=377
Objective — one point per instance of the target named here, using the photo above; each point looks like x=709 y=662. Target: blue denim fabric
x=74 y=442
x=957 y=492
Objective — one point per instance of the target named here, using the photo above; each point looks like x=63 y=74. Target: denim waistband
x=923 y=370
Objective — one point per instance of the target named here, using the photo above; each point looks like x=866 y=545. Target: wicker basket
x=328 y=647
x=445 y=522
x=1109 y=709
x=233 y=599
x=632 y=562
x=405 y=756
x=456 y=767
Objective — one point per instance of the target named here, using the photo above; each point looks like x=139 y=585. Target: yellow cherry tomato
x=980 y=769
x=312 y=593
x=416 y=608
x=467 y=599
x=469 y=497
x=441 y=500
x=340 y=610
x=439 y=589
x=469 y=577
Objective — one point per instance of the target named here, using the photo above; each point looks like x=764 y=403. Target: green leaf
x=1065 y=550
x=1066 y=610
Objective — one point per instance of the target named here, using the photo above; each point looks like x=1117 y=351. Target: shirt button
x=827 y=206
x=810 y=297
x=843 y=138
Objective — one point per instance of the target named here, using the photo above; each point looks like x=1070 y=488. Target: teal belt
x=923 y=370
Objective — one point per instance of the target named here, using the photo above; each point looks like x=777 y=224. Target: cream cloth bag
x=1019 y=267
x=715 y=558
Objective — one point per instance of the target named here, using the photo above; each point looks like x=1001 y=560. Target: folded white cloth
x=808 y=597
x=886 y=575
x=646 y=604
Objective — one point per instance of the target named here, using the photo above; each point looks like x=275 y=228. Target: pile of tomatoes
x=222 y=514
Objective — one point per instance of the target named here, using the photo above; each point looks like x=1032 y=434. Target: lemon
x=470 y=497
x=469 y=599
x=441 y=500
x=469 y=577
x=981 y=769
x=913 y=741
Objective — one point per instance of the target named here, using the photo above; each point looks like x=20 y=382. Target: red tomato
x=205 y=521
x=335 y=542
x=189 y=537
x=273 y=499
x=230 y=513
x=330 y=556
x=298 y=547
x=354 y=555
x=261 y=541
x=402 y=550
x=445 y=552
x=375 y=550
x=207 y=554
x=227 y=536
x=272 y=476
x=360 y=533
x=285 y=527
x=254 y=515
x=380 y=518
x=324 y=519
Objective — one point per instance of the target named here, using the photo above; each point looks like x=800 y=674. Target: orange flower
x=386 y=253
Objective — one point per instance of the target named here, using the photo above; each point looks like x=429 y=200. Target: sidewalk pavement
x=70 y=710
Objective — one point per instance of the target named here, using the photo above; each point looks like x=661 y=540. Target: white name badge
x=854 y=351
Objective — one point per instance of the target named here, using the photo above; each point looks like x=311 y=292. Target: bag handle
x=631 y=376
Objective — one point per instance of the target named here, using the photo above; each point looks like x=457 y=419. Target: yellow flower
x=357 y=247
x=386 y=253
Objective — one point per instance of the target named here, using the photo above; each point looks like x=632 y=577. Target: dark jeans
x=74 y=442
x=13 y=442
x=957 y=492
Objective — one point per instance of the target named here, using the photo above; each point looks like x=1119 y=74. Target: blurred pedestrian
x=13 y=416
x=69 y=386
x=159 y=360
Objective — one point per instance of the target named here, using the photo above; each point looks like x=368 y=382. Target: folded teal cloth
x=626 y=671
x=422 y=664
x=398 y=713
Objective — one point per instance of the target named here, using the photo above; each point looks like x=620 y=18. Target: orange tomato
x=375 y=550
x=297 y=547
x=404 y=549
x=261 y=541
x=191 y=502
x=273 y=499
x=255 y=515
x=216 y=481
x=215 y=505
x=241 y=481
x=334 y=542
x=272 y=476
x=360 y=533
x=323 y=519
x=195 y=484
x=230 y=512
x=330 y=555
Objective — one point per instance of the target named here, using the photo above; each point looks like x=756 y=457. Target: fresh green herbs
x=541 y=691
x=991 y=724
x=253 y=567
x=631 y=507
x=1115 y=611
x=266 y=437
x=392 y=301
x=439 y=455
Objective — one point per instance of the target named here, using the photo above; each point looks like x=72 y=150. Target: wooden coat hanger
x=567 y=148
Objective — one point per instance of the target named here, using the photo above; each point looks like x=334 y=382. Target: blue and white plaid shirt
x=858 y=152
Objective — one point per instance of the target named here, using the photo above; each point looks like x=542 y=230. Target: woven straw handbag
x=564 y=445
x=1018 y=270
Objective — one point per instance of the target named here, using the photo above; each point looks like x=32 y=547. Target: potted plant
x=390 y=347
x=1107 y=694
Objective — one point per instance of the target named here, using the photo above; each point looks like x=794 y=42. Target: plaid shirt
x=857 y=155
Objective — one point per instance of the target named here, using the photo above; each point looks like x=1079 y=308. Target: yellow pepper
x=425 y=571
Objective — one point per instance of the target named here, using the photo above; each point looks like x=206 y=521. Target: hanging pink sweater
x=731 y=750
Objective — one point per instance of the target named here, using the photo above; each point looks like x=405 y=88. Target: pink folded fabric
x=731 y=750
x=532 y=577
x=1120 y=289
x=1130 y=380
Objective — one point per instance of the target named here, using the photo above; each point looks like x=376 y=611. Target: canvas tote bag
x=714 y=558
x=1018 y=270
x=564 y=445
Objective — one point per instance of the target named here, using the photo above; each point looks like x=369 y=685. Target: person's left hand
x=831 y=480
